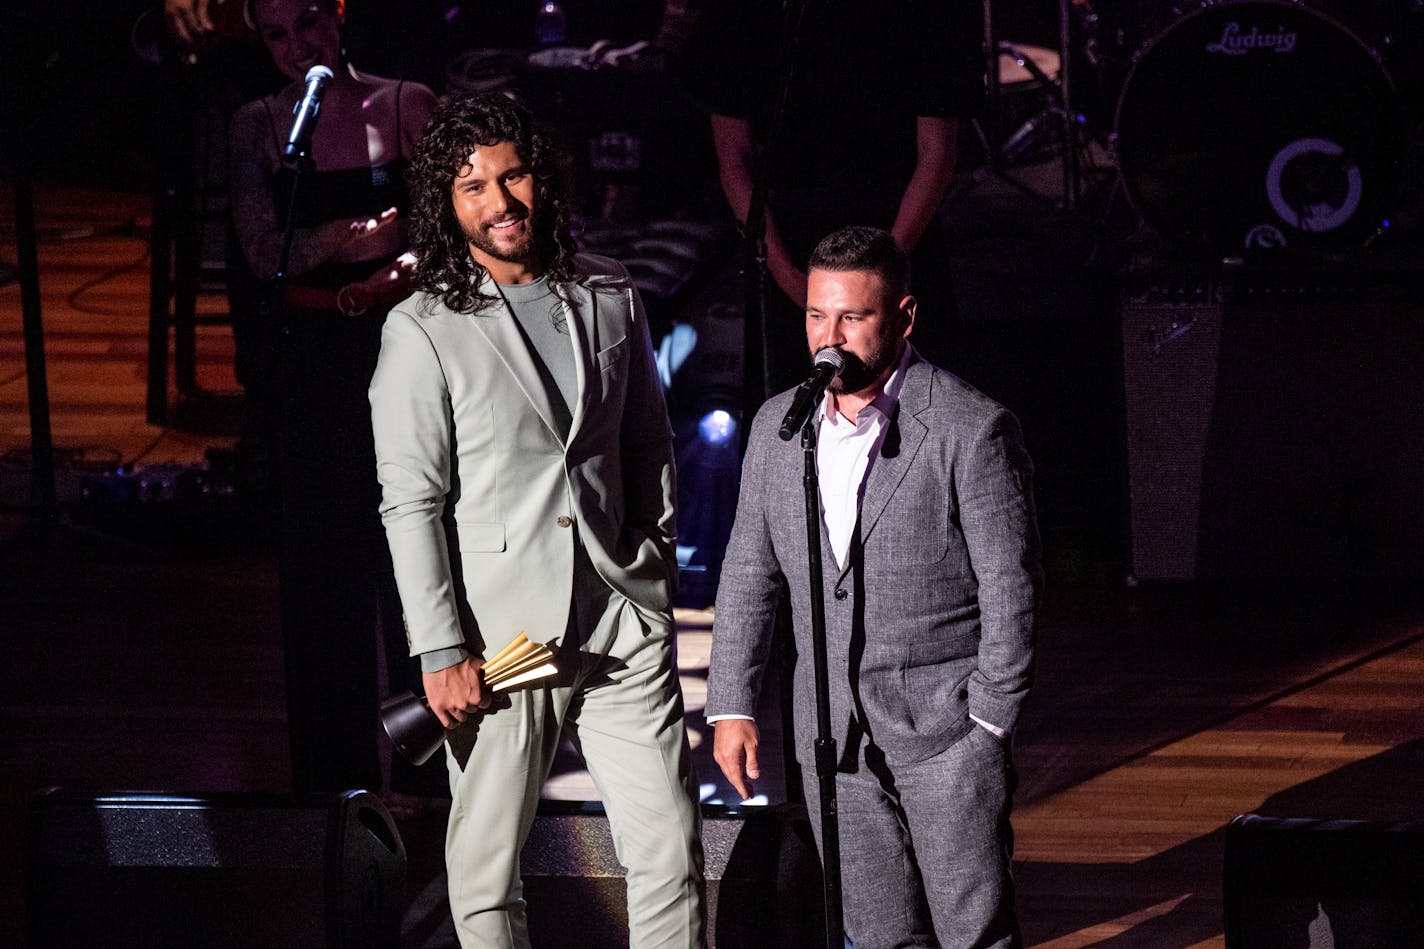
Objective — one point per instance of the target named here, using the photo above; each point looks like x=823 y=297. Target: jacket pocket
x=933 y=682
x=480 y=537
x=611 y=355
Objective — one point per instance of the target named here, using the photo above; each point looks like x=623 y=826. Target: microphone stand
x=756 y=377
x=825 y=742
x=17 y=123
x=42 y=486
x=302 y=164
x=287 y=370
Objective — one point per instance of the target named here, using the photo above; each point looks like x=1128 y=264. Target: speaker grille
x=1273 y=431
x=157 y=871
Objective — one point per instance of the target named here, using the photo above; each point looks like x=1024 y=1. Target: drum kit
x=1236 y=127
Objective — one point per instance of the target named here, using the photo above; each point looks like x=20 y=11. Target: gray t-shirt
x=544 y=319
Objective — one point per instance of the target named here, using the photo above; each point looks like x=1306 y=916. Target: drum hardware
x=1038 y=68
x=1018 y=67
x=1037 y=79
x=1022 y=64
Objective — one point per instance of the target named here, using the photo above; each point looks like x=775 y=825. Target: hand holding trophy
x=415 y=730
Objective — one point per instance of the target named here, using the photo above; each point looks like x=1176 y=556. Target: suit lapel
x=502 y=332
x=581 y=311
x=897 y=451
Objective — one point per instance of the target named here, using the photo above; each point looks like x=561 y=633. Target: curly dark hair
x=444 y=266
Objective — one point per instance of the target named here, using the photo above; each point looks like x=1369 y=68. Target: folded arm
x=254 y=197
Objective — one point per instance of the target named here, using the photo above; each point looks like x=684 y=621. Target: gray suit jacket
x=936 y=618
x=482 y=496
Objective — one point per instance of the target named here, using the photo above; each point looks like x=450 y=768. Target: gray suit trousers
x=926 y=846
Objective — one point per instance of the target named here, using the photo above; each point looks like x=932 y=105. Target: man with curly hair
x=525 y=459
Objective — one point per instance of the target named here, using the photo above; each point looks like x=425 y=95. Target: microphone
x=299 y=141
x=828 y=362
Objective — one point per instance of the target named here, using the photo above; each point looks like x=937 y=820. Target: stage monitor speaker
x=1323 y=884
x=1274 y=429
x=763 y=878
x=163 y=871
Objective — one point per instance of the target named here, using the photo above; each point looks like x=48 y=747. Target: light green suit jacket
x=482 y=497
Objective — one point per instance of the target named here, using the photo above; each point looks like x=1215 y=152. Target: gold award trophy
x=415 y=730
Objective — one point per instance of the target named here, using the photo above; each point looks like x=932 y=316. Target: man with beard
x=931 y=588
x=525 y=458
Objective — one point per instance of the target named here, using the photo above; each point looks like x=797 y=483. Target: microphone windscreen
x=319 y=72
x=830 y=356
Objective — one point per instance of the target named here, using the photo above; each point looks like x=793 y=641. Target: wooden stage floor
x=146 y=654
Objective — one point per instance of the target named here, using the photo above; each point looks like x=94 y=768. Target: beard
x=511 y=252
x=860 y=374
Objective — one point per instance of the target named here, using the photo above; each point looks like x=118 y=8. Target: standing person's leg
x=497 y=763
x=958 y=805
x=882 y=896
x=627 y=718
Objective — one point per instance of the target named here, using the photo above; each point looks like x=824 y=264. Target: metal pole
x=18 y=93
x=825 y=742
x=1070 y=124
x=43 y=493
x=991 y=85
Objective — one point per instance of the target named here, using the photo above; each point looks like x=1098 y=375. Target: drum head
x=1260 y=126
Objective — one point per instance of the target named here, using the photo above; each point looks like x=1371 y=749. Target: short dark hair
x=336 y=8
x=460 y=124
x=864 y=248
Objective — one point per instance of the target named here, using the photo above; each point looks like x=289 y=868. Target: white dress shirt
x=845 y=451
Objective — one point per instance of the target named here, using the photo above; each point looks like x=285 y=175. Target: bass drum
x=1260 y=126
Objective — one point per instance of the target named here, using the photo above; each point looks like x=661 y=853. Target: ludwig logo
x=1234 y=42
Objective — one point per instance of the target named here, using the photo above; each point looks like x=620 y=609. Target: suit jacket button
x=565 y=521
x=841 y=593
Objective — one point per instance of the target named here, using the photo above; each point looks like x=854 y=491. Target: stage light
x=717 y=427
x=673 y=351
x=700 y=361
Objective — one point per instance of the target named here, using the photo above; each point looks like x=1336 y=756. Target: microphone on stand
x=828 y=362
x=299 y=141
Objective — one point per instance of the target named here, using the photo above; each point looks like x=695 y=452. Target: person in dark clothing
x=868 y=136
x=323 y=333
